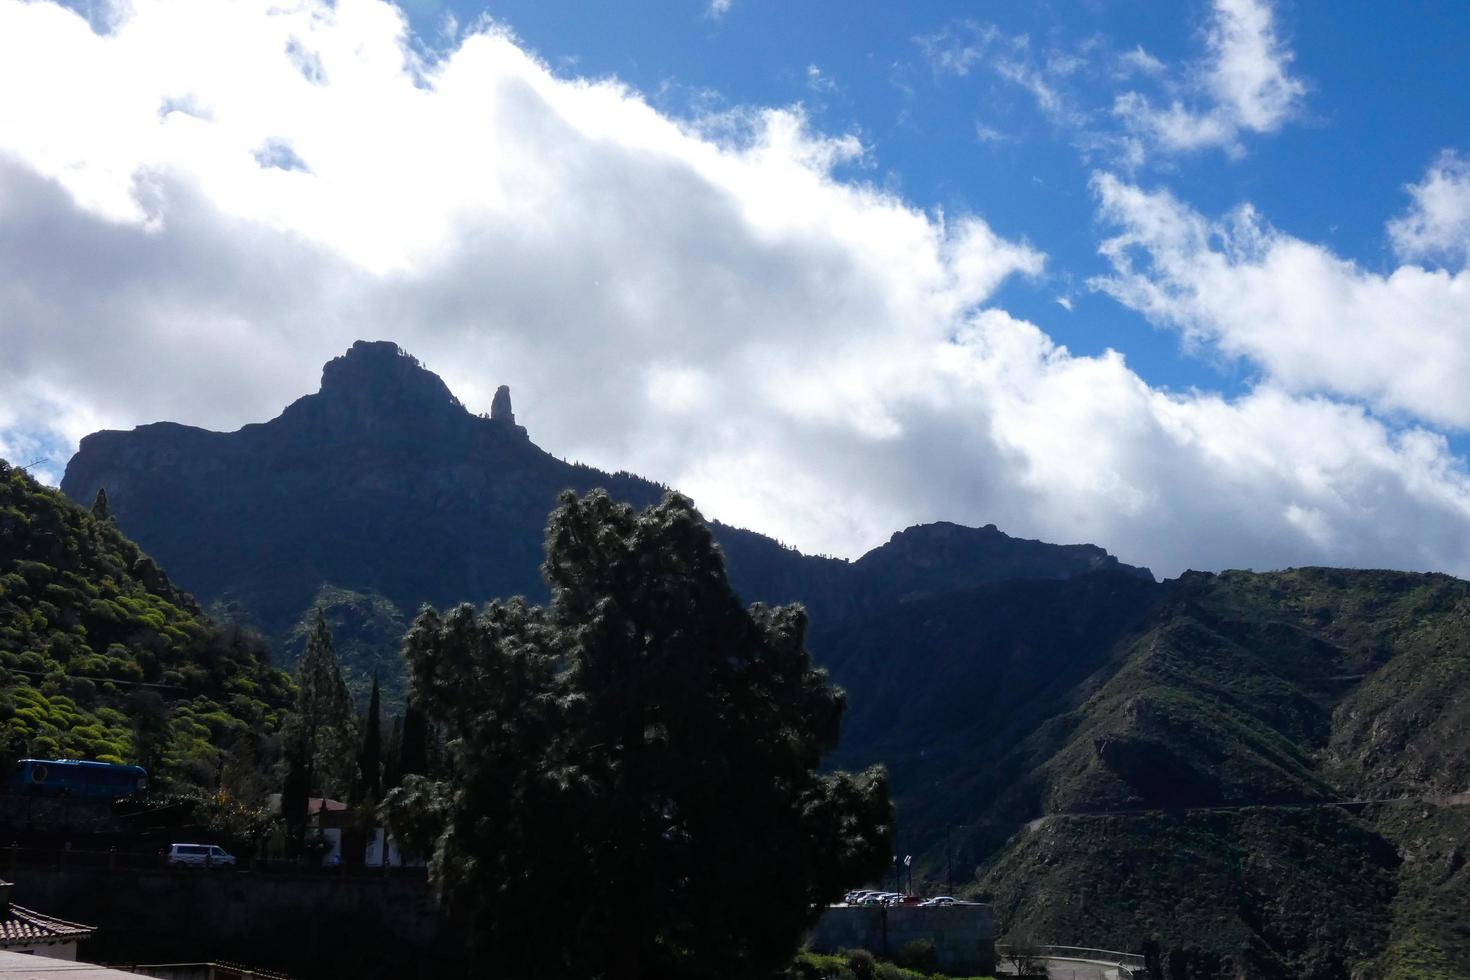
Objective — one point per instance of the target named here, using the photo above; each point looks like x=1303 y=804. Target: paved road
x=1057 y=969
x=1077 y=970
x=1451 y=799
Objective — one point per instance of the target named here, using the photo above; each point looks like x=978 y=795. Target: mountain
x=102 y=657
x=381 y=492
x=1108 y=759
x=1270 y=769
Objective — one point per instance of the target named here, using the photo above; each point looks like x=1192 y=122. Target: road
x=1451 y=799
x=1059 y=969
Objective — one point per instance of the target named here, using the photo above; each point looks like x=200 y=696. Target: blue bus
x=78 y=779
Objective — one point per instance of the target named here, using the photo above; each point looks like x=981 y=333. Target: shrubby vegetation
x=102 y=658
x=859 y=964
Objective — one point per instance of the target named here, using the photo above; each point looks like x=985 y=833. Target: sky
x=1187 y=280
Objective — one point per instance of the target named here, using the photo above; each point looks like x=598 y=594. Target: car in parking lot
x=199 y=856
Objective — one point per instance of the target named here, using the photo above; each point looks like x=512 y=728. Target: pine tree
x=321 y=733
x=100 y=507
x=636 y=764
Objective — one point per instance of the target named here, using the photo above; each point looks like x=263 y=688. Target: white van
x=200 y=855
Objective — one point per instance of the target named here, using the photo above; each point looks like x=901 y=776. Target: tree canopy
x=634 y=788
x=321 y=732
x=102 y=657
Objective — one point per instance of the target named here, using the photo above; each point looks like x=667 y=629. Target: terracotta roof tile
x=21 y=926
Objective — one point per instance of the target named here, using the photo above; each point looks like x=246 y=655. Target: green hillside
x=1110 y=760
x=102 y=658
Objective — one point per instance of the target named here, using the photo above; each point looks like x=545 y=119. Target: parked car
x=199 y=856
x=940 y=900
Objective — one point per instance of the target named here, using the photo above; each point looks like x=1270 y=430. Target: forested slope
x=101 y=657
x=1142 y=760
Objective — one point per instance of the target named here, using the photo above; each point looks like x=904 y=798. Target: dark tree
x=320 y=732
x=392 y=752
x=295 y=800
x=634 y=788
x=370 y=758
x=1024 y=958
x=1153 y=961
x=150 y=729
x=100 y=508
x=413 y=753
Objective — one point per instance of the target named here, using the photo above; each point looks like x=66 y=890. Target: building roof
x=24 y=927
x=20 y=926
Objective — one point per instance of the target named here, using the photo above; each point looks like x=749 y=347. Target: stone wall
x=963 y=935
x=318 y=926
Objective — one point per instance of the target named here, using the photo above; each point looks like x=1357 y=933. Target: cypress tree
x=413 y=755
x=295 y=794
x=100 y=507
x=392 y=754
x=370 y=759
x=321 y=730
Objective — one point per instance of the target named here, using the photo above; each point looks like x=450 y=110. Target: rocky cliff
x=382 y=486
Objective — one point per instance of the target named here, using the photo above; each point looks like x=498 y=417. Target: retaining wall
x=309 y=926
x=963 y=935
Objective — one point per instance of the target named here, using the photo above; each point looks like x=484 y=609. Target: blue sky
x=1387 y=90
x=1187 y=280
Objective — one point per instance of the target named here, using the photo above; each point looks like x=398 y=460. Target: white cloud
x=701 y=301
x=989 y=134
x=957 y=50
x=1244 y=85
x=1437 y=224
x=718 y=8
x=1139 y=62
x=819 y=81
x=1312 y=321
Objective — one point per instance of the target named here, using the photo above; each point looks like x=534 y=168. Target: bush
x=919 y=954
x=862 y=964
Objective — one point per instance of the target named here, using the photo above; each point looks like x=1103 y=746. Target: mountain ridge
x=390 y=472
x=1000 y=680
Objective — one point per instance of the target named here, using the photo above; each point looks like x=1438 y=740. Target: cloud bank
x=202 y=203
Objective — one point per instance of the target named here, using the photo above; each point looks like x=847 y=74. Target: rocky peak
x=500 y=410
x=377 y=387
x=373 y=368
x=927 y=559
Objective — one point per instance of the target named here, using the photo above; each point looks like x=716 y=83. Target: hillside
x=1185 y=744
x=381 y=492
x=103 y=658
x=1107 y=757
